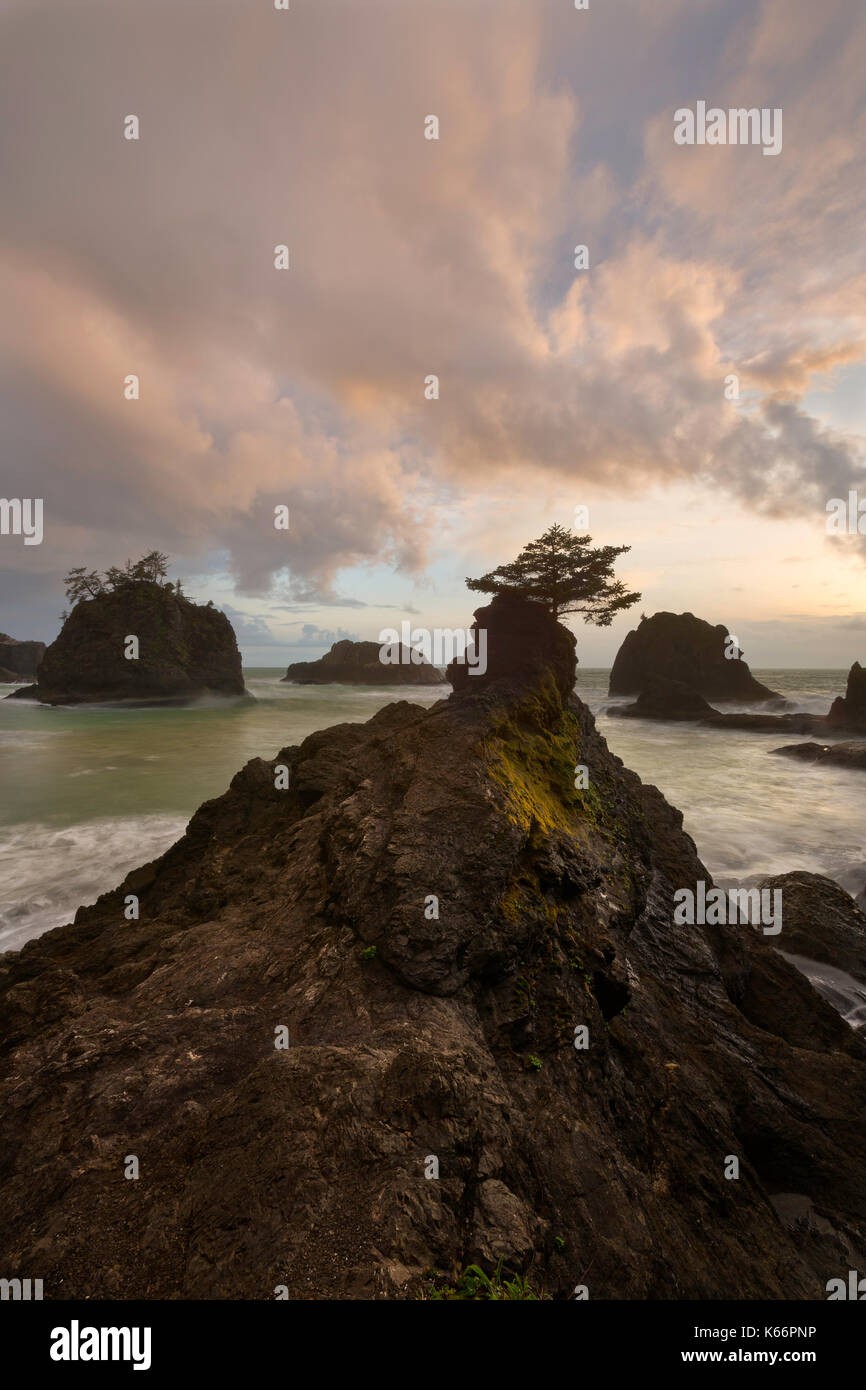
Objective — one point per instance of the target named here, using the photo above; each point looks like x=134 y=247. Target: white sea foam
x=839 y=988
x=47 y=872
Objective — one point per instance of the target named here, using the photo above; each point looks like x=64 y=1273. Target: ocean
x=89 y=793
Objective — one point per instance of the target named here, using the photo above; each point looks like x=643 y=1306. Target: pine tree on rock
x=562 y=571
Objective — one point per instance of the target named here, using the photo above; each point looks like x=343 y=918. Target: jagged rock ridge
x=454 y=1038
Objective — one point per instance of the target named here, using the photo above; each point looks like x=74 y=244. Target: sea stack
x=185 y=651
x=680 y=647
x=358 y=663
x=848 y=711
x=423 y=1003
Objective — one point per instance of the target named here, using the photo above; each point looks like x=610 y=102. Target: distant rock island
x=428 y=954
x=680 y=647
x=19 y=660
x=357 y=663
x=183 y=650
x=671 y=700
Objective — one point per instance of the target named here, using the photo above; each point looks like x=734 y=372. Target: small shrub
x=474 y=1285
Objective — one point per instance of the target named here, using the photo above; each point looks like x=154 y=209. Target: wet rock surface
x=850 y=755
x=431 y=909
x=821 y=921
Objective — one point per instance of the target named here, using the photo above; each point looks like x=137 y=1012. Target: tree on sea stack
x=563 y=572
x=152 y=568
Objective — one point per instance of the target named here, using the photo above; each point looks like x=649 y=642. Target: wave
x=47 y=872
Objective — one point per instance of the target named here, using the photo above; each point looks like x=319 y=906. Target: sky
x=605 y=387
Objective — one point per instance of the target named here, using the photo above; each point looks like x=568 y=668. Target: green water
x=88 y=793
x=67 y=765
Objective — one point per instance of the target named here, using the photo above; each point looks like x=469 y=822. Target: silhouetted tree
x=152 y=568
x=79 y=584
x=564 y=573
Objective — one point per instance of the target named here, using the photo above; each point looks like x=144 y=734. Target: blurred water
x=89 y=793
x=750 y=814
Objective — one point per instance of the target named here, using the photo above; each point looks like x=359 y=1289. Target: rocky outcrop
x=680 y=647
x=767 y=723
x=527 y=644
x=669 y=700
x=848 y=711
x=850 y=755
x=358 y=663
x=662 y=698
x=821 y=921
x=424 y=922
x=185 y=651
x=19 y=660
x=665 y=699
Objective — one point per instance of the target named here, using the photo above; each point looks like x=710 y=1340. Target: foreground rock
x=357 y=663
x=186 y=651
x=821 y=921
x=680 y=647
x=430 y=910
x=851 y=755
x=19 y=660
